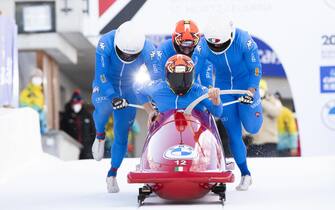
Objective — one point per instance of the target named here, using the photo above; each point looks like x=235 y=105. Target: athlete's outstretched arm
x=214 y=109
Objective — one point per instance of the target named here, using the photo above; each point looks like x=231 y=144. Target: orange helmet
x=179 y=73
x=186 y=34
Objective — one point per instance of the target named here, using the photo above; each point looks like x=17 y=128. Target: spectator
x=264 y=143
x=32 y=96
x=78 y=123
x=288 y=134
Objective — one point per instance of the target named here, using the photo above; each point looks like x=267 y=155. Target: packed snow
x=278 y=183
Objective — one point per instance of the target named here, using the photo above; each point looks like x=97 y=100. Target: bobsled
x=182 y=157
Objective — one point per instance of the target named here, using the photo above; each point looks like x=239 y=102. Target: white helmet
x=220 y=36
x=128 y=42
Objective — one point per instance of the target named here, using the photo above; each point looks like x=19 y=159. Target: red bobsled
x=182 y=158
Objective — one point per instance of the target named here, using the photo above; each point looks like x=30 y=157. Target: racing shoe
x=112 y=186
x=98 y=149
x=246 y=181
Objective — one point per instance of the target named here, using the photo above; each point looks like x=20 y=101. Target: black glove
x=119 y=103
x=246 y=99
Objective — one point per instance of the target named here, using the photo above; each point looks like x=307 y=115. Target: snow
x=278 y=183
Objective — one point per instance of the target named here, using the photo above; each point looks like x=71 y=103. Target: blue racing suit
x=203 y=72
x=114 y=78
x=237 y=68
x=160 y=92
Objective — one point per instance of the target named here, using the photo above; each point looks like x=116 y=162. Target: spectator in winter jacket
x=264 y=143
x=78 y=123
x=32 y=96
x=288 y=134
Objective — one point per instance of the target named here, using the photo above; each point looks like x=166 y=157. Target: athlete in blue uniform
x=235 y=58
x=184 y=40
x=177 y=91
x=119 y=55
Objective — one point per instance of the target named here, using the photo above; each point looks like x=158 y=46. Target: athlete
x=235 y=59
x=119 y=54
x=185 y=38
x=177 y=91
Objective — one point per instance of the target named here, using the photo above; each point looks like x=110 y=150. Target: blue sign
x=271 y=65
x=327 y=79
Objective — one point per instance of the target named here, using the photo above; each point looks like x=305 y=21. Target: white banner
x=9 y=84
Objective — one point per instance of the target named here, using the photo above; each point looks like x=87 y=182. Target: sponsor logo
x=102 y=60
x=256 y=103
x=199 y=48
x=249 y=44
x=96 y=89
x=152 y=54
x=328 y=47
x=256 y=71
x=208 y=72
x=102 y=45
x=328 y=115
x=100 y=99
x=103 y=78
x=159 y=54
x=327 y=79
x=214 y=40
x=253 y=58
x=130 y=51
x=178 y=152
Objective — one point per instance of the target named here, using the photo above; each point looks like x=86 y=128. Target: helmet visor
x=180 y=83
x=125 y=56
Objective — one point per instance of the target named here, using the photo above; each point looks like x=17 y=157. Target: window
x=35 y=17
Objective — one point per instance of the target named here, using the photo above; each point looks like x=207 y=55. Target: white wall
x=27 y=66
x=7 y=7
x=20 y=140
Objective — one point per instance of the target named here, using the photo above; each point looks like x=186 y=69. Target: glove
x=246 y=99
x=152 y=117
x=119 y=103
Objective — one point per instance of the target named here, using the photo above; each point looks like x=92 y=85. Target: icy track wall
x=20 y=140
x=304 y=43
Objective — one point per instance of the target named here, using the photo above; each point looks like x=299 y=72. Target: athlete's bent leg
x=251 y=115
